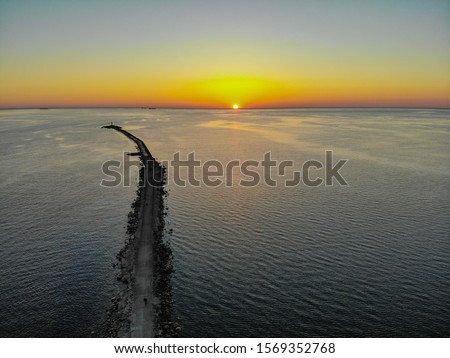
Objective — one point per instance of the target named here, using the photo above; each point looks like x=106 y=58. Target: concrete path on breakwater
x=144 y=301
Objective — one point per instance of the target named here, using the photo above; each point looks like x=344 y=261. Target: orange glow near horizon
x=219 y=93
x=311 y=88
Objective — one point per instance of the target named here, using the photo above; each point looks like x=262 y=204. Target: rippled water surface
x=368 y=259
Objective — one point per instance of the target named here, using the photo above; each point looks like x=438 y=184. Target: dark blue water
x=369 y=259
x=60 y=230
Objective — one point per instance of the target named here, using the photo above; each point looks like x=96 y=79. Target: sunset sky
x=217 y=53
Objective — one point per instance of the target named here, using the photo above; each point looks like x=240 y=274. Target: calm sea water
x=369 y=259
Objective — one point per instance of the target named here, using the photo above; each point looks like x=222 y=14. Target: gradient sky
x=216 y=53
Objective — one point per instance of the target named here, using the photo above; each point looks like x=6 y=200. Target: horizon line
x=222 y=108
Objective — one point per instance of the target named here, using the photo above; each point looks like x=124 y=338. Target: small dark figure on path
x=145 y=301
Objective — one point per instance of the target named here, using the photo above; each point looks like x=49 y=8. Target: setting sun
x=235 y=106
